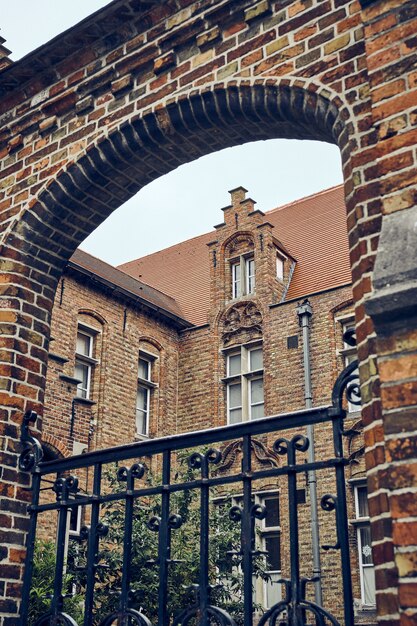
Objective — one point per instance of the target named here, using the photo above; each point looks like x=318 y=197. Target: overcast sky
x=187 y=201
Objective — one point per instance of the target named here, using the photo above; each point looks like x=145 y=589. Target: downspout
x=305 y=312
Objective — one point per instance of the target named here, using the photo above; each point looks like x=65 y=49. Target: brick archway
x=80 y=196
x=142 y=87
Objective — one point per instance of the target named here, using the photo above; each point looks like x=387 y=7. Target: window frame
x=245 y=378
x=279 y=262
x=269 y=532
x=147 y=385
x=360 y=522
x=85 y=360
x=245 y=284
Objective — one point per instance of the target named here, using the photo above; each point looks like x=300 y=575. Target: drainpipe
x=305 y=312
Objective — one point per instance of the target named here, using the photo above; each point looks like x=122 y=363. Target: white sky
x=187 y=201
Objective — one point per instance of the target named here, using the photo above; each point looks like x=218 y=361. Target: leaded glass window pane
x=272 y=512
x=144 y=369
x=84 y=344
x=235 y=364
x=256 y=359
x=362 y=494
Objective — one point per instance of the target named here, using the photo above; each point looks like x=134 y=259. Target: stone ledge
x=393 y=303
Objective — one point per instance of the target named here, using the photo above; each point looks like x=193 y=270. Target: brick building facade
x=128 y=361
x=141 y=87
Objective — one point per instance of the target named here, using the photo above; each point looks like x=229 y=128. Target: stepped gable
x=125 y=285
x=312 y=229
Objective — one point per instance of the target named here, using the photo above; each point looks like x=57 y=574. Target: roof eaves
x=179 y=322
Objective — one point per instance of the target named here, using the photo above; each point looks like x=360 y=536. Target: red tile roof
x=312 y=229
x=125 y=286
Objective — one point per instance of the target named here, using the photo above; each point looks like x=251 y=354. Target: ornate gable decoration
x=240 y=244
x=243 y=321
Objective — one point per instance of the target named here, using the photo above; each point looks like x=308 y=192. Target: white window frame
x=279 y=267
x=147 y=385
x=244 y=378
x=86 y=360
x=245 y=284
x=265 y=532
x=361 y=522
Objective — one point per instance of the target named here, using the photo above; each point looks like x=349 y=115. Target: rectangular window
x=144 y=394
x=243 y=277
x=244 y=384
x=235 y=403
x=84 y=362
x=363 y=531
x=236 y=290
x=250 y=275
x=266 y=593
x=142 y=410
x=271 y=539
x=280 y=268
x=256 y=398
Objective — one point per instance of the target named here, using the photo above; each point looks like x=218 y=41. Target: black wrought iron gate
x=113 y=489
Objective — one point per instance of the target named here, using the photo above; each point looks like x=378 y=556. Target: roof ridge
x=309 y=197
x=186 y=241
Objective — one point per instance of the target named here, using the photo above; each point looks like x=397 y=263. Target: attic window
x=279 y=267
x=243 y=276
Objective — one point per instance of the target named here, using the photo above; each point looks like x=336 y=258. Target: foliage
x=224 y=554
x=43 y=584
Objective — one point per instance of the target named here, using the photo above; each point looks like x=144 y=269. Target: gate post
x=25 y=307
x=390 y=424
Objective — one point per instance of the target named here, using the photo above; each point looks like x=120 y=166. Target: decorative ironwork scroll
x=32 y=452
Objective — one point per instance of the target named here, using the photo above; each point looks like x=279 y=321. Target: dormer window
x=243 y=277
x=279 y=267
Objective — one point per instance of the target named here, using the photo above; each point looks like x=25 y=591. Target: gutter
x=305 y=312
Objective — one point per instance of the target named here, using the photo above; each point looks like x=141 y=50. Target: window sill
x=147 y=383
x=85 y=401
x=70 y=379
x=58 y=358
x=359 y=521
x=243 y=297
x=88 y=360
x=140 y=437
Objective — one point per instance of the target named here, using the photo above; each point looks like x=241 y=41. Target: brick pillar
x=25 y=306
x=391 y=438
